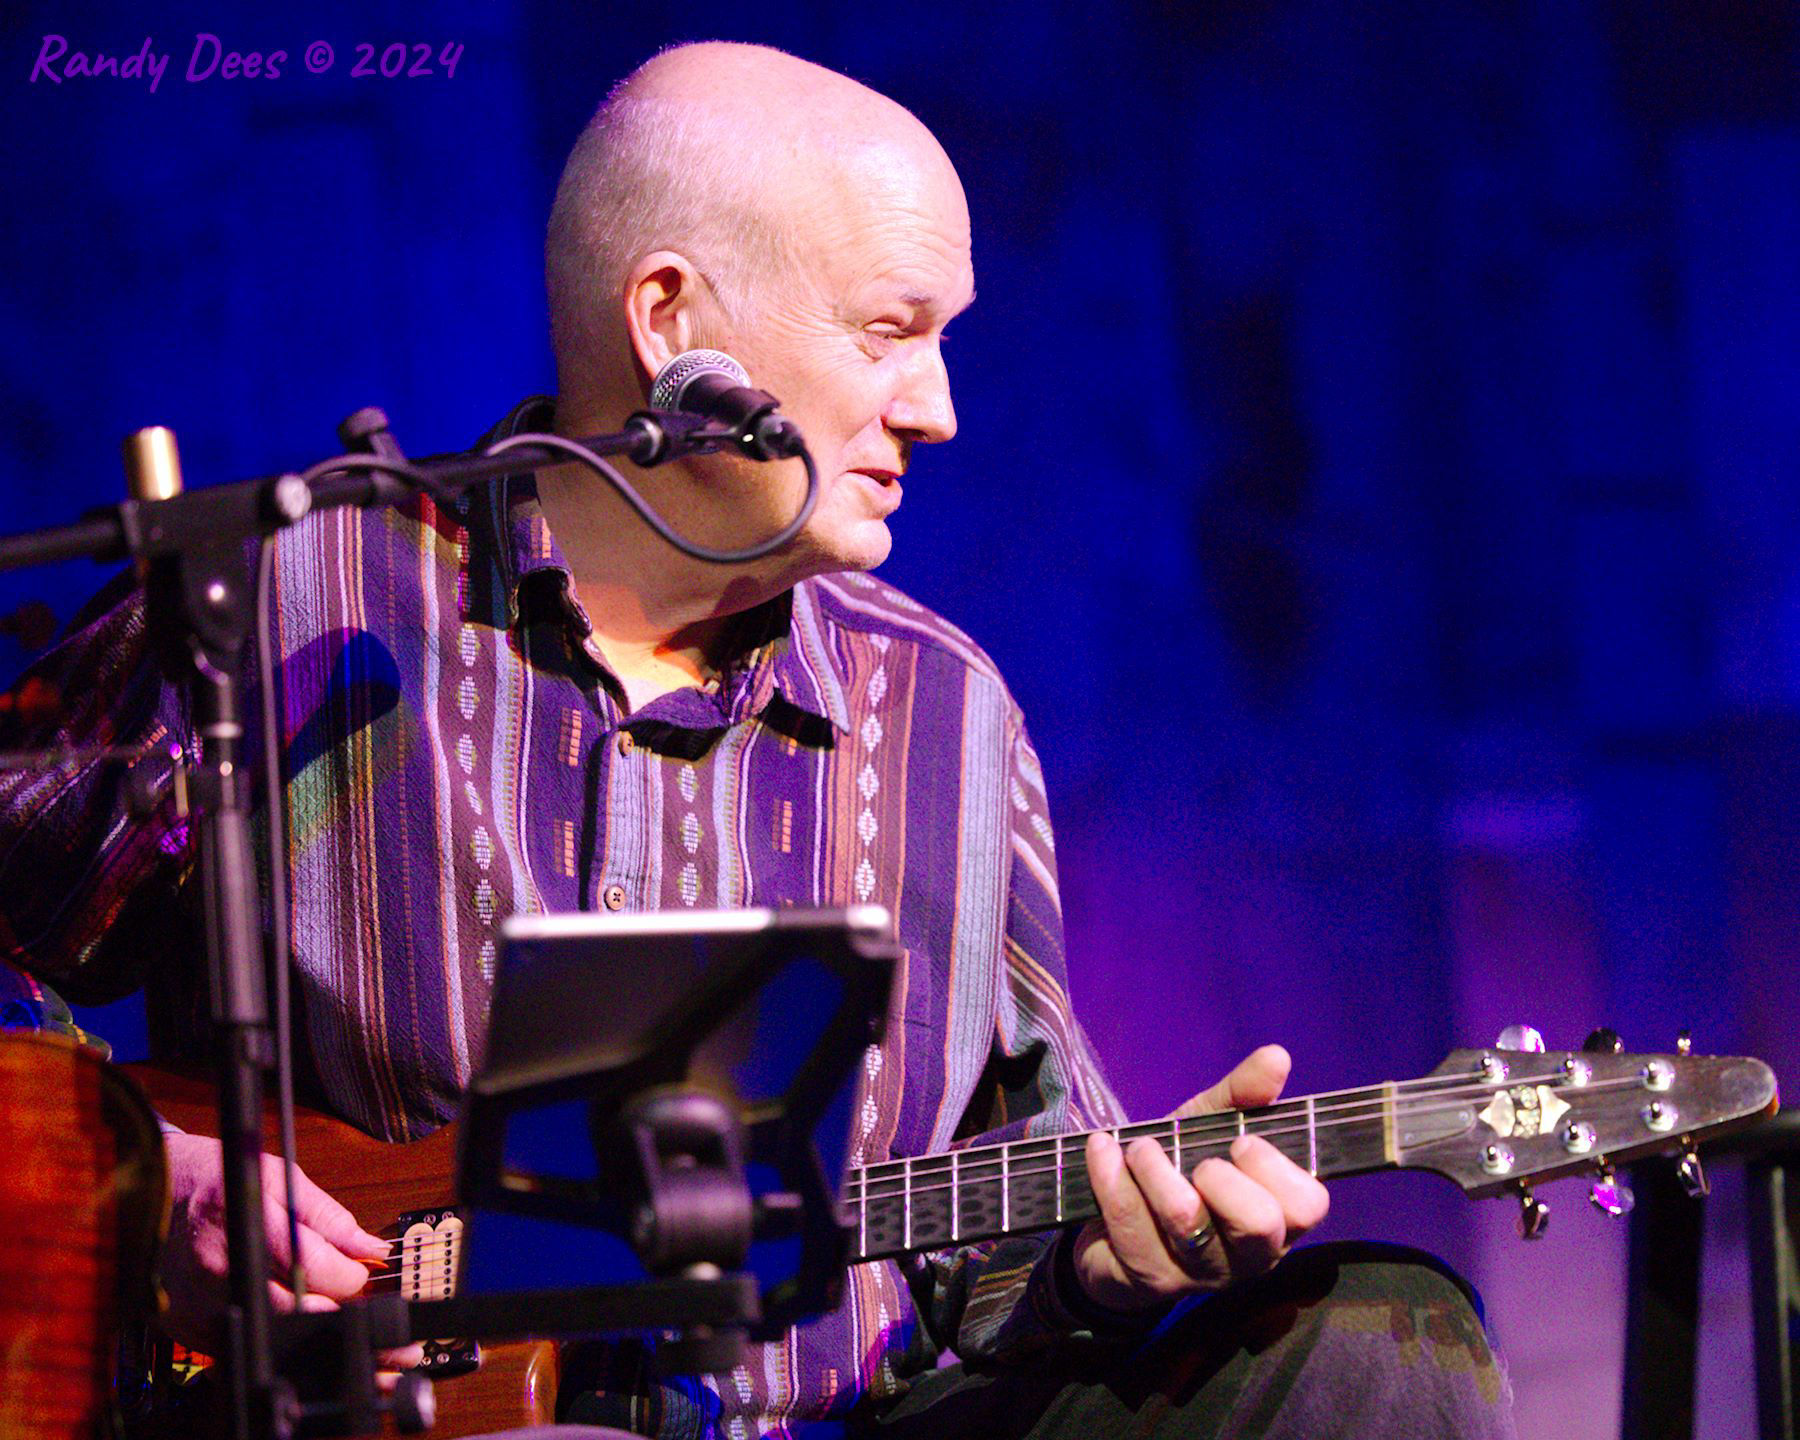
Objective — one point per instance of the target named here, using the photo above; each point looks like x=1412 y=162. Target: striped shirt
x=454 y=750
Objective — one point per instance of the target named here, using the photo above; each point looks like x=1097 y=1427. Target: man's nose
x=921 y=407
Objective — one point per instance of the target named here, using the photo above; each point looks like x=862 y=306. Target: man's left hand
x=1138 y=1253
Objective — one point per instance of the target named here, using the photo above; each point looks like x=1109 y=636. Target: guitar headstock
x=1503 y=1119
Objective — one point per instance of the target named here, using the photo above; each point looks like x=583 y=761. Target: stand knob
x=357 y=431
x=1603 y=1041
x=414 y=1403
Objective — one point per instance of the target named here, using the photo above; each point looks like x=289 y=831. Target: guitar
x=1494 y=1121
x=82 y=1193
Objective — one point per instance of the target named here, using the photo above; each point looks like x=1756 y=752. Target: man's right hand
x=333 y=1247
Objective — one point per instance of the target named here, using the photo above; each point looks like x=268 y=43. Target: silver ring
x=1198 y=1238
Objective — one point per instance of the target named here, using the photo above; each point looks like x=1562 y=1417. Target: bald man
x=530 y=703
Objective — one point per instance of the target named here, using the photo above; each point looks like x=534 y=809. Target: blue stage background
x=1379 y=480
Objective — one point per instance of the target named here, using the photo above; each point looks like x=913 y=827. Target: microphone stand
x=191 y=550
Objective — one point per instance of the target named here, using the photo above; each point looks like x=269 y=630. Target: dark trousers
x=1337 y=1341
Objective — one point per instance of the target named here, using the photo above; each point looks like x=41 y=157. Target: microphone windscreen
x=673 y=378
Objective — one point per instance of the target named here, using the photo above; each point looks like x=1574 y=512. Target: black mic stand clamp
x=689 y=1203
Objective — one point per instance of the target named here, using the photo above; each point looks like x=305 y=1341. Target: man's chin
x=869 y=546
x=861 y=546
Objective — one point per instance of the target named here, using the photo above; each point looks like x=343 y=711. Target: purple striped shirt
x=455 y=751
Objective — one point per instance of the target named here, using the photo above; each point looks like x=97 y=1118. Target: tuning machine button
x=1520 y=1037
x=1691 y=1173
x=1604 y=1041
x=1610 y=1195
x=1684 y=1043
x=1534 y=1215
x=1578 y=1137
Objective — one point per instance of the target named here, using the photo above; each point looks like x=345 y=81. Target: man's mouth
x=880 y=477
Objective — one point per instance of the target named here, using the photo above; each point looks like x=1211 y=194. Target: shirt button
x=614 y=897
x=626 y=743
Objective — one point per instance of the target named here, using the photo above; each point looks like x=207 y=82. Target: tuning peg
x=1534 y=1215
x=1691 y=1173
x=1520 y=1037
x=1603 y=1041
x=1684 y=1043
x=1611 y=1195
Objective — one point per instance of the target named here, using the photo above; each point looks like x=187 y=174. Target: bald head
x=726 y=154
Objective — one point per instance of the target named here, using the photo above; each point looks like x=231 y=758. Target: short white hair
x=646 y=174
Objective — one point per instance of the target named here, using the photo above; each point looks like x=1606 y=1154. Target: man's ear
x=667 y=306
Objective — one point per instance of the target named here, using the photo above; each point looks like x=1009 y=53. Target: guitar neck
x=987 y=1191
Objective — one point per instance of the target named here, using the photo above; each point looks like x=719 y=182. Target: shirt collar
x=782 y=646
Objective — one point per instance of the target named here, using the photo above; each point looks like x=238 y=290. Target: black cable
x=655 y=521
x=444 y=494
x=274 y=808
x=410 y=473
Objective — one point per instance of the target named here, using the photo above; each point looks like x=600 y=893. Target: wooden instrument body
x=83 y=1196
x=376 y=1181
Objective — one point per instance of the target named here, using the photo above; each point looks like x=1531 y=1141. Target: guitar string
x=861 y=1181
x=1200 y=1126
x=1371 y=1108
x=431 y=1246
x=1370 y=1101
x=1372 y=1105
x=1160 y=1133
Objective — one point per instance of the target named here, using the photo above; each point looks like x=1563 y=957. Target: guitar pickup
x=428 y=1249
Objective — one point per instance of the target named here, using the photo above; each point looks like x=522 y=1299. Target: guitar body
x=83 y=1195
x=516 y=1383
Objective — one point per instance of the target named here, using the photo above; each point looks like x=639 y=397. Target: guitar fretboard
x=987 y=1191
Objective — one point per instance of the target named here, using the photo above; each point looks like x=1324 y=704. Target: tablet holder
x=703 y=1117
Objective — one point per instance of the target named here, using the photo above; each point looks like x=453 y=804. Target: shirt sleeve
x=1003 y=1300
x=75 y=861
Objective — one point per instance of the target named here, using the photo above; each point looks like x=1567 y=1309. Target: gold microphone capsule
x=152 y=465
